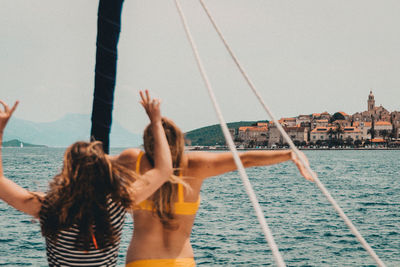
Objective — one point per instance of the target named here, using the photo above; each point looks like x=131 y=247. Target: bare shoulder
x=197 y=158
x=128 y=156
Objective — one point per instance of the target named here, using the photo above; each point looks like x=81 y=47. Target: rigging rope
x=242 y=172
x=348 y=222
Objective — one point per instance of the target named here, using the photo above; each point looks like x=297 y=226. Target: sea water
x=306 y=228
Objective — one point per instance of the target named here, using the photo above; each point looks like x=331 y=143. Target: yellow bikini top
x=181 y=207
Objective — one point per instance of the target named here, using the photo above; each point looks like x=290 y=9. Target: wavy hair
x=79 y=195
x=165 y=196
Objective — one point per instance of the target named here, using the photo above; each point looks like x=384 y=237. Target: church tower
x=371 y=102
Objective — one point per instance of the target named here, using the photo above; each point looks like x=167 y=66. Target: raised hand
x=6 y=114
x=152 y=106
x=303 y=170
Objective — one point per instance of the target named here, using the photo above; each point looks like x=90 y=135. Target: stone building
x=319 y=120
x=383 y=129
x=373 y=112
x=289 y=122
x=364 y=127
x=353 y=133
x=297 y=134
x=395 y=119
x=342 y=123
x=317 y=123
x=319 y=133
x=253 y=135
x=303 y=120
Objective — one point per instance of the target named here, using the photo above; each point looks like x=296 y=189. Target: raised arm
x=206 y=164
x=162 y=170
x=10 y=192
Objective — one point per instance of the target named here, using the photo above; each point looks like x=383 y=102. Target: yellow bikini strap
x=180 y=193
x=138 y=162
x=180 y=190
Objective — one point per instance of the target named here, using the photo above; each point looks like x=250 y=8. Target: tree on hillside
x=331 y=132
x=339 y=130
x=372 y=132
x=318 y=143
x=357 y=143
x=385 y=134
x=337 y=116
x=238 y=140
x=367 y=142
x=349 y=141
x=251 y=144
x=296 y=143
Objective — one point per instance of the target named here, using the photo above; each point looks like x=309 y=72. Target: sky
x=304 y=57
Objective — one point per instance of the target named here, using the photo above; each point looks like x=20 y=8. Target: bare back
x=151 y=239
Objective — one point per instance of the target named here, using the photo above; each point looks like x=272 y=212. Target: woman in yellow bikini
x=163 y=222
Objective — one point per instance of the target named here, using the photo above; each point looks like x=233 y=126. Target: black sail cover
x=108 y=30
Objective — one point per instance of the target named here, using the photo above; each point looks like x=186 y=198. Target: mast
x=108 y=30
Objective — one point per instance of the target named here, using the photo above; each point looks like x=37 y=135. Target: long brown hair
x=80 y=193
x=165 y=196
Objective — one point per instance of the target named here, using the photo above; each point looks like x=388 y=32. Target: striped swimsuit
x=62 y=252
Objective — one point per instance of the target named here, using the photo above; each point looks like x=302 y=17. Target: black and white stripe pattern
x=62 y=252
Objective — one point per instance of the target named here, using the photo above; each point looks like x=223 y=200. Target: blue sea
x=307 y=230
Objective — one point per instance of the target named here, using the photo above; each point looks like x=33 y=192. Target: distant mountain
x=212 y=135
x=18 y=143
x=65 y=131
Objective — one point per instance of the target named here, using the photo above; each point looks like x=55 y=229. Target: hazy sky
x=304 y=56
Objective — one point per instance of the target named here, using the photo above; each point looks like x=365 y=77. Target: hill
x=18 y=143
x=65 y=131
x=212 y=135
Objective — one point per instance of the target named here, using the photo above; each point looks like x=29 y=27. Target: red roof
x=295 y=129
x=321 y=129
x=351 y=129
x=382 y=123
x=253 y=129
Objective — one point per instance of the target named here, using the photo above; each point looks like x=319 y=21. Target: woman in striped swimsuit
x=83 y=212
x=163 y=223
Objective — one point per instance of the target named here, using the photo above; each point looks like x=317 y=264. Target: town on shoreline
x=375 y=128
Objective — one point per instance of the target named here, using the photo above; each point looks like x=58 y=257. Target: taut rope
x=348 y=222
x=242 y=172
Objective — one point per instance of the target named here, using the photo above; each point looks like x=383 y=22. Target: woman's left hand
x=6 y=114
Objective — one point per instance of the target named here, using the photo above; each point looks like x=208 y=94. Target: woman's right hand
x=151 y=106
x=303 y=169
x=6 y=114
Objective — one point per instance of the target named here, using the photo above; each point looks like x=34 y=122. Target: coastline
x=303 y=148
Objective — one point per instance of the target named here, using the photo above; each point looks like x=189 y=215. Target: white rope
x=242 y=172
x=292 y=146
